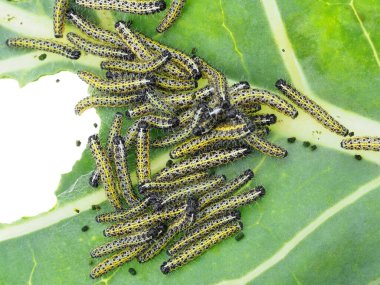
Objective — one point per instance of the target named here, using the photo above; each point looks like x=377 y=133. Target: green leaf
x=318 y=223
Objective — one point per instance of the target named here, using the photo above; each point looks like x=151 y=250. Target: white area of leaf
x=39 y=134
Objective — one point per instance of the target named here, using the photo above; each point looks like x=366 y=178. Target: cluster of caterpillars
x=207 y=123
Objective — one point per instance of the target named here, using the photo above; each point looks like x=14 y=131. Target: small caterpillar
x=104 y=166
x=116 y=260
x=264 y=146
x=115 y=130
x=361 y=143
x=227 y=189
x=264 y=119
x=178 y=101
x=173 y=13
x=135 y=66
x=45 y=45
x=154 y=98
x=130 y=6
x=194 y=234
x=195 y=190
x=180 y=135
x=142 y=153
x=165 y=186
x=105 y=101
x=312 y=108
x=250 y=110
x=181 y=58
x=161 y=122
x=200 y=247
x=182 y=222
x=230 y=204
x=170 y=83
x=119 y=86
x=60 y=7
x=142 y=221
x=201 y=162
x=94 y=179
x=130 y=213
x=242 y=85
x=217 y=80
x=130 y=240
x=99 y=50
x=94 y=31
x=133 y=43
x=258 y=96
x=124 y=177
x=210 y=120
x=199 y=144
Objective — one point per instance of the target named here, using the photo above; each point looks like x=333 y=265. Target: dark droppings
x=306 y=144
x=42 y=56
x=239 y=236
x=132 y=271
x=85 y=228
x=358 y=157
x=291 y=140
x=78 y=143
x=313 y=147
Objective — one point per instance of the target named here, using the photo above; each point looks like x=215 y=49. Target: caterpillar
x=93 y=31
x=227 y=189
x=170 y=83
x=217 y=80
x=200 y=247
x=140 y=110
x=197 y=190
x=170 y=17
x=181 y=58
x=116 y=260
x=250 y=110
x=94 y=179
x=124 y=177
x=154 y=98
x=361 y=143
x=115 y=130
x=210 y=120
x=142 y=221
x=199 y=144
x=142 y=153
x=45 y=45
x=161 y=122
x=129 y=6
x=200 y=231
x=201 y=162
x=230 y=204
x=178 y=101
x=106 y=102
x=258 y=96
x=130 y=240
x=166 y=186
x=104 y=166
x=132 y=41
x=97 y=49
x=119 y=86
x=135 y=66
x=130 y=213
x=256 y=142
x=60 y=7
x=242 y=85
x=181 y=134
x=311 y=107
x=264 y=119
x=182 y=222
